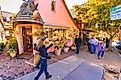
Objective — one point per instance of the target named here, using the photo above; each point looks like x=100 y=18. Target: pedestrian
x=94 y=43
x=88 y=42
x=107 y=42
x=43 y=59
x=78 y=41
x=36 y=55
x=100 y=50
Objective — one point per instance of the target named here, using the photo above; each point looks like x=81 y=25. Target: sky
x=70 y=3
x=14 y=5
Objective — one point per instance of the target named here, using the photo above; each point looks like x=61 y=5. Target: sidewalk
x=71 y=68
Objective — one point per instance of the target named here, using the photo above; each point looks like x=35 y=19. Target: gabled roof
x=26 y=13
x=59 y=17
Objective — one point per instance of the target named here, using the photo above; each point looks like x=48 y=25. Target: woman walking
x=100 y=50
x=42 y=49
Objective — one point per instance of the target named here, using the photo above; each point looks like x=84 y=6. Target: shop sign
x=115 y=13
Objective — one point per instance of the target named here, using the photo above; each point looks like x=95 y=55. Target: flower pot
x=73 y=48
x=58 y=52
x=66 y=50
x=13 y=54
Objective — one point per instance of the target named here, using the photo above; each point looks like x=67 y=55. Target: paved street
x=85 y=71
x=71 y=68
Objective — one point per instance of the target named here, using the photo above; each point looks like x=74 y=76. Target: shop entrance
x=27 y=38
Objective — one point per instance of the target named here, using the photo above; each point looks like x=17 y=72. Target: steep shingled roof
x=26 y=13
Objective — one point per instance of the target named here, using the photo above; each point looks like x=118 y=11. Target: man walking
x=94 y=43
x=78 y=41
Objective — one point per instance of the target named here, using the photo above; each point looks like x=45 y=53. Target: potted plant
x=73 y=47
x=12 y=52
x=58 y=47
x=66 y=48
x=1 y=47
x=12 y=47
x=57 y=51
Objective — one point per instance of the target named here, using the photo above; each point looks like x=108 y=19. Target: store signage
x=115 y=13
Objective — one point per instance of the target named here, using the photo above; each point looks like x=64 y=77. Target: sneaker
x=98 y=58
x=35 y=78
x=48 y=76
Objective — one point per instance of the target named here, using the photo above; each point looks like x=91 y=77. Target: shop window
x=53 y=5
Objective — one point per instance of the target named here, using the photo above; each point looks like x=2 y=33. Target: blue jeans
x=93 y=48
x=100 y=53
x=43 y=68
x=78 y=48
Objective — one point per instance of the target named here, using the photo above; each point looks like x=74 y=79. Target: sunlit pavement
x=86 y=71
x=71 y=68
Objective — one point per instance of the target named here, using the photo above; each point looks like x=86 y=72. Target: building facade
x=8 y=22
x=50 y=16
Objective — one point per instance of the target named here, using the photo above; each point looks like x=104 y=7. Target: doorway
x=27 y=38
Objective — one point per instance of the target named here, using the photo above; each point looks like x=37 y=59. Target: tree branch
x=107 y=31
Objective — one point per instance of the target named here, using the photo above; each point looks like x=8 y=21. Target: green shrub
x=1 y=46
x=12 y=43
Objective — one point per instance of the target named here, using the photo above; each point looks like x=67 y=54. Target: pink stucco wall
x=60 y=17
x=19 y=39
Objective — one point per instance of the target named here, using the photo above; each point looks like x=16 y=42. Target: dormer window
x=53 y=5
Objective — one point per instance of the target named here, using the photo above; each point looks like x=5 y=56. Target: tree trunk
x=110 y=44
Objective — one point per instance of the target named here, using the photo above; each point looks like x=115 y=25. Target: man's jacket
x=43 y=52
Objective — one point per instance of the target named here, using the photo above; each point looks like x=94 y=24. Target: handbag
x=36 y=58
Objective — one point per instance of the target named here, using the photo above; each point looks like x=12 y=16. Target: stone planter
x=73 y=48
x=12 y=53
x=58 y=51
x=66 y=49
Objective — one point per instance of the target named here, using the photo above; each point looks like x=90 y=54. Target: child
x=100 y=50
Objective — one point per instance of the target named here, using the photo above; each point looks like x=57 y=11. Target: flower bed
x=12 y=69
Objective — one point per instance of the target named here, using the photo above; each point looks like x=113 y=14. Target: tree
x=98 y=12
